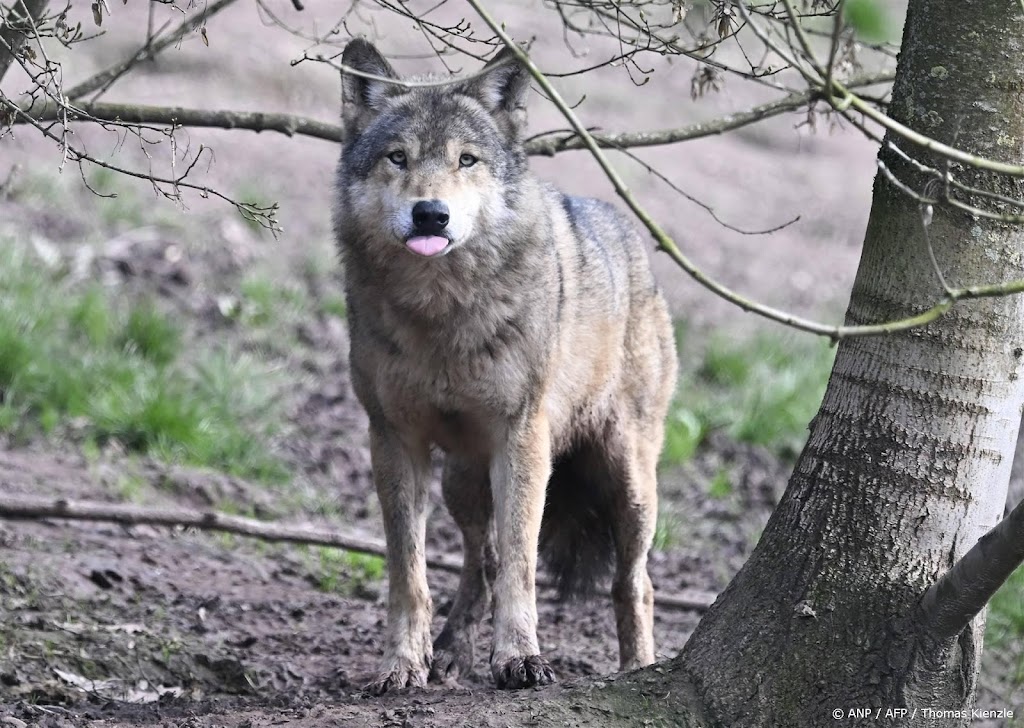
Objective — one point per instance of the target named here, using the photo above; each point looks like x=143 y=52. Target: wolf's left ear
x=503 y=84
x=359 y=93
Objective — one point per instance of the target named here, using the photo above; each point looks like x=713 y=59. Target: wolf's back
x=610 y=274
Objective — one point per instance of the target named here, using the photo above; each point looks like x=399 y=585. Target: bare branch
x=178 y=116
x=723 y=124
x=34 y=508
x=168 y=187
x=837 y=31
x=17 y=26
x=543 y=144
x=400 y=82
x=961 y=593
x=668 y=245
x=843 y=100
x=106 y=78
x=805 y=43
x=38 y=508
x=703 y=205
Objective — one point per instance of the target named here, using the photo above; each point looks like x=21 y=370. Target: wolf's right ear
x=502 y=85
x=359 y=93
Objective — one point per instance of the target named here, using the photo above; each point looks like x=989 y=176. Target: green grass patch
x=666 y=531
x=721 y=487
x=265 y=302
x=74 y=360
x=763 y=391
x=346 y=572
x=1006 y=622
x=334 y=306
x=131 y=487
x=150 y=334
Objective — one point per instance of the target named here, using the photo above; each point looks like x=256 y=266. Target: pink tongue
x=427 y=245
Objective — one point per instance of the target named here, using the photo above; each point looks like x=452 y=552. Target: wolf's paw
x=446 y=667
x=451 y=662
x=400 y=674
x=453 y=656
x=523 y=672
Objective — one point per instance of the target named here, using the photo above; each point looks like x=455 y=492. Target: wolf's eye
x=397 y=158
x=467 y=160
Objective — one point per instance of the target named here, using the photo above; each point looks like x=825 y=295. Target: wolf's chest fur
x=451 y=380
x=447 y=395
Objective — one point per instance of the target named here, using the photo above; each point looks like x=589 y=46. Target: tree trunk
x=908 y=459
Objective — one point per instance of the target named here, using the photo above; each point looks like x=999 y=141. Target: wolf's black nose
x=430 y=216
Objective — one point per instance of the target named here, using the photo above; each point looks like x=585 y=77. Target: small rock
x=105 y=578
x=804 y=609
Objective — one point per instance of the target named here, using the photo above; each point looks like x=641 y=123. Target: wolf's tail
x=577 y=544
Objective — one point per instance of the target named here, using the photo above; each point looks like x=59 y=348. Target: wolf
x=521 y=332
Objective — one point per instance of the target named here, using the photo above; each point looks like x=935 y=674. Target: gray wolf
x=520 y=331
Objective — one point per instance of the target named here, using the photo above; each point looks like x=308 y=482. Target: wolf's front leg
x=467 y=493
x=519 y=476
x=400 y=475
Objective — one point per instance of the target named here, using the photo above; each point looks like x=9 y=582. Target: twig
x=956 y=598
x=104 y=79
x=703 y=205
x=38 y=508
x=400 y=82
x=14 y=27
x=926 y=211
x=805 y=43
x=837 y=30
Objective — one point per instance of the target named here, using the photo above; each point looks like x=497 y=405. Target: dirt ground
x=110 y=625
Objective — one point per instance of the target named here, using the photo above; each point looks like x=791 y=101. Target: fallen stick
x=26 y=508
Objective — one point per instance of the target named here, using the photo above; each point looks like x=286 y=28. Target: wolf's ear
x=359 y=93
x=502 y=85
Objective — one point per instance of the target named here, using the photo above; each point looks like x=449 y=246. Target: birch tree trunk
x=908 y=459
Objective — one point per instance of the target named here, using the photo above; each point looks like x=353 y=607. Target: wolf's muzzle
x=429 y=217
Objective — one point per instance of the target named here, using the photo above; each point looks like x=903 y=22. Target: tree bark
x=908 y=459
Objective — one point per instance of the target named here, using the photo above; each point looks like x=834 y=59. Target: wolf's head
x=428 y=169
